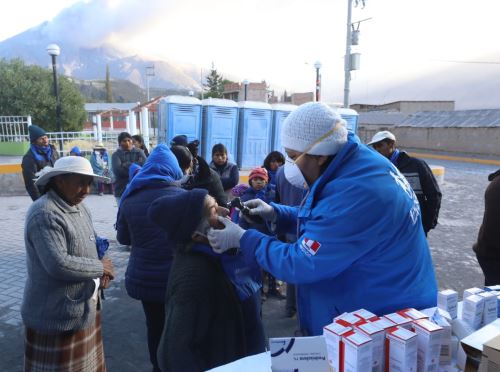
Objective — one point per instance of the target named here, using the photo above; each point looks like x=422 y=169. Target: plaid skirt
x=75 y=351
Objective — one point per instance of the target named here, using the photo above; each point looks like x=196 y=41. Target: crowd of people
x=344 y=227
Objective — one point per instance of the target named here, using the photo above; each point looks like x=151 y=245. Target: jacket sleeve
x=432 y=194
x=286 y=219
x=122 y=231
x=119 y=169
x=488 y=240
x=142 y=158
x=216 y=189
x=48 y=236
x=29 y=169
x=233 y=178
x=327 y=245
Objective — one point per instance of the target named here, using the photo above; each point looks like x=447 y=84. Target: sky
x=279 y=40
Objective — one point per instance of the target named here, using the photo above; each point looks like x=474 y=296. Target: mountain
x=88 y=63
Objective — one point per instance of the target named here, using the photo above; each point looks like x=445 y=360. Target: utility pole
x=150 y=71
x=347 y=59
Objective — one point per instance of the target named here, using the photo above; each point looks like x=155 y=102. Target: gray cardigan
x=61 y=263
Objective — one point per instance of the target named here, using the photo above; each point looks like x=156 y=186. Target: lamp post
x=150 y=72
x=245 y=83
x=53 y=50
x=317 y=66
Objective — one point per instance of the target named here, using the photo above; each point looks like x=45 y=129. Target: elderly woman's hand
x=108 y=268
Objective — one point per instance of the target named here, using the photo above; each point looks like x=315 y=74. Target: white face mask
x=293 y=174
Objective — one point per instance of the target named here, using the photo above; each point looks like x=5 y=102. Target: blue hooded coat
x=152 y=249
x=360 y=242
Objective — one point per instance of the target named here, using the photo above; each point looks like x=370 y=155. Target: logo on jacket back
x=309 y=246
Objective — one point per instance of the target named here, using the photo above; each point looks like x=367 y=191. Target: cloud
x=94 y=22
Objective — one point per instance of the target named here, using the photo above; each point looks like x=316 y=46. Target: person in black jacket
x=487 y=247
x=418 y=174
x=122 y=159
x=208 y=322
x=202 y=176
x=40 y=154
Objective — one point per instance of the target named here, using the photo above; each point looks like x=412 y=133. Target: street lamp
x=245 y=83
x=317 y=66
x=53 y=50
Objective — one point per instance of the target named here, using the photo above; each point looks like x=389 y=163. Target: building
x=300 y=98
x=255 y=92
x=406 y=107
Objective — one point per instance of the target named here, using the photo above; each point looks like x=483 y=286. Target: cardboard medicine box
x=346 y=319
x=448 y=300
x=401 y=350
x=490 y=307
x=429 y=336
x=471 y=291
x=399 y=320
x=472 y=311
x=357 y=352
x=377 y=335
x=364 y=314
x=334 y=345
x=413 y=314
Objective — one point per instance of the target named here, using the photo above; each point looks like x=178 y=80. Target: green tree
x=29 y=90
x=214 y=85
x=109 y=92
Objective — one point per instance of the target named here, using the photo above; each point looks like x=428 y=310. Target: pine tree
x=109 y=92
x=215 y=84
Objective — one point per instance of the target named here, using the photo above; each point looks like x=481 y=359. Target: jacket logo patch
x=310 y=246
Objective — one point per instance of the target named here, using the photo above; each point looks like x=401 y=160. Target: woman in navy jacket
x=152 y=249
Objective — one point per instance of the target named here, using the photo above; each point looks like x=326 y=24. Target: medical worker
x=360 y=238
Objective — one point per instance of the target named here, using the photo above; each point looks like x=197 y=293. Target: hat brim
x=45 y=178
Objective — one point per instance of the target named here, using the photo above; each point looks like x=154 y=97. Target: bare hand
x=105 y=281
x=108 y=268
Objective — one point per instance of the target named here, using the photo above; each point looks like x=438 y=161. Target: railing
x=14 y=128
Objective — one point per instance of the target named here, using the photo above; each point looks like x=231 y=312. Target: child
x=272 y=162
x=259 y=189
x=227 y=171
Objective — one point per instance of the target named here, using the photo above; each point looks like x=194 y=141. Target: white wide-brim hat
x=68 y=165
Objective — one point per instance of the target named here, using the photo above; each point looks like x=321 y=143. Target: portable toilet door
x=220 y=125
x=280 y=113
x=351 y=117
x=254 y=133
x=179 y=115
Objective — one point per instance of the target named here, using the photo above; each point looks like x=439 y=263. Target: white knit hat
x=308 y=124
x=66 y=165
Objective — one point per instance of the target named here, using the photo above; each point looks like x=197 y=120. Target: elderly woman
x=60 y=307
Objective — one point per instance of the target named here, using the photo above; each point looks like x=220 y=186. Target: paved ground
x=123 y=321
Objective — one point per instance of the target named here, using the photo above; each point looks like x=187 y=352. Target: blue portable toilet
x=179 y=115
x=254 y=133
x=220 y=125
x=350 y=116
x=280 y=113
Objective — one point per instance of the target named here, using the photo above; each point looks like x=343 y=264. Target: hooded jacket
x=488 y=239
x=32 y=164
x=152 y=249
x=360 y=242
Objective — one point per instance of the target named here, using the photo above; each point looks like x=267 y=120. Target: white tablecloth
x=255 y=363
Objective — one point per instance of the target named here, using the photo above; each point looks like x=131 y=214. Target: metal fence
x=14 y=128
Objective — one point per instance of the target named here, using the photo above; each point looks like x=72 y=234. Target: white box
x=384 y=324
x=364 y=314
x=399 y=320
x=490 y=307
x=471 y=291
x=447 y=300
x=401 y=351
x=334 y=344
x=346 y=319
x=472 y=311
x=412 y=314
x=357 y=352
x=377 y=335
x=445 y=355
x=299 y=354
x=429 y=336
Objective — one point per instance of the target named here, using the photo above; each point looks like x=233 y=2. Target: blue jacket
x=360 y=242
x=152 y=250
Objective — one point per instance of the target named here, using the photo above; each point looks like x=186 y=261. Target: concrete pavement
x=123 y=320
